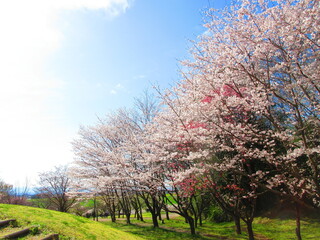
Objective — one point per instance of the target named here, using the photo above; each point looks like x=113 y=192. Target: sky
x=63 y=63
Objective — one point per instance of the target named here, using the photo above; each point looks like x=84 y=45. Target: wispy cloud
x=31 y=136
x=141 y=76
x=117 y=88
x=113 y=92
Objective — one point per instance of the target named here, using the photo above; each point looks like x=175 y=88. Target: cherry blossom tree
x=250 y=99
x=99 y=166
x=114 y=153
x=54 y=186
x=244 y=119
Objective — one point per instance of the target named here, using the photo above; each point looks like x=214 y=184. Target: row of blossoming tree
x=242 y=121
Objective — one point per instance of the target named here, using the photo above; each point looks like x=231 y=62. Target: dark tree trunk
x=236 y=220
x=140 y=210
x=167 y=215
x=159 y=211
x=298 y=230
x=136 y=214
x=155 y=219
x=153 y=209
x=128 y=218
x=112 y=212
x=141 y=216
x=250 y=230
x=190 y=220
x=196 y=221
x=94 y=209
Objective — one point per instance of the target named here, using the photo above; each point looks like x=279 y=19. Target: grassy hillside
x=67 y=225
x=73 y=227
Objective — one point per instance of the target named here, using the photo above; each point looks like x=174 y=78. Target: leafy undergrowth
x=176 y=228
x=67 y=225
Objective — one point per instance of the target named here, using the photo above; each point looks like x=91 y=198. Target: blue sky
x=65 y=62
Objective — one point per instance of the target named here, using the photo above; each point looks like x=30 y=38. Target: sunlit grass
x=176 y=228
x=67 y=225
x=74 y=227
x=283 y=229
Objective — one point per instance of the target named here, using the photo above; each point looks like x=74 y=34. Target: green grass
x=284 y=229
x=74 y=227
x=264 y=229
x=67 y=225
x=175 y=228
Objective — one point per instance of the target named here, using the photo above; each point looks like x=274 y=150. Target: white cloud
x=113 y=7
x=141 y=76
x=31 y=137
x=119 y=86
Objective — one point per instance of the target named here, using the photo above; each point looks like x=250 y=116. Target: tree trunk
x=155 y=219
x=250 y=231
x=112 y=212
x=200 y=220
x=113 y=217
x=141 y=216
x=191 y=224
x=167 y=215
x=140 y=210
x=298 y=230
x=159 y=213
x=237 y=224
x=128 y=218
x=137 y=214
x=94 y=209
x=196 y=221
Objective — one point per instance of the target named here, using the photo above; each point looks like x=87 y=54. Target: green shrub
x=216 y=214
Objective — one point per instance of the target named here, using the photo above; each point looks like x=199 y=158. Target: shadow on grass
x=149 y=232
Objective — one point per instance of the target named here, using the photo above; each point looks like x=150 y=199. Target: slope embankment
x=68 y=226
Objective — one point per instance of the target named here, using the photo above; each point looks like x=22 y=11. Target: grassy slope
x=67 y=225
x=73 y=227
